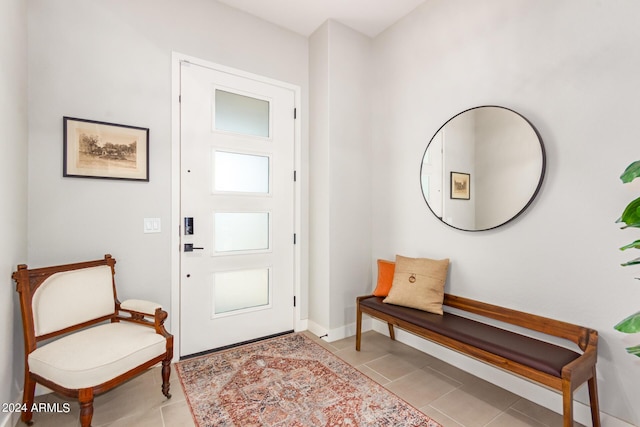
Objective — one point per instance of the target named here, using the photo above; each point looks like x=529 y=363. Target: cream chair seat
x=80 y=340
x=96 y=355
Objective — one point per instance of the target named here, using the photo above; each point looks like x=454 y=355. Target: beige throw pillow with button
x=419 y=283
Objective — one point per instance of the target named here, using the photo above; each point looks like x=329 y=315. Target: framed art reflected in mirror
x=460 y=184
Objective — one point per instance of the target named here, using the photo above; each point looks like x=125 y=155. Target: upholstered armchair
x=80 y=340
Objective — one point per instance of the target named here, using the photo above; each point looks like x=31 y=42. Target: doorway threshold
x=226 y=347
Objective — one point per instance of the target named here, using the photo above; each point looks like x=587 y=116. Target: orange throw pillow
x=386 y=270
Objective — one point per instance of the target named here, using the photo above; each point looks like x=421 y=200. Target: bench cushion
x=540 y=355
x=96 y=355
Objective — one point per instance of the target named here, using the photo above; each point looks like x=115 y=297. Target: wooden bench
x=548 y=364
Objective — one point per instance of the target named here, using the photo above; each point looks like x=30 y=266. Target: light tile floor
x=448 y=395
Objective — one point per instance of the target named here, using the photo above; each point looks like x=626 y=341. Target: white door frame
x=174 y=316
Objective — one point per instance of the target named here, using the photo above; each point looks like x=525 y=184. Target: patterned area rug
x=288 y=381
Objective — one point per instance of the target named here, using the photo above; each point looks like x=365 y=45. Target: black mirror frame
x=533 y=196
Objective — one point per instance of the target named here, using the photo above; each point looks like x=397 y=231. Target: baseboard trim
x=336 y=334
x=316 y=329
x=302 y=325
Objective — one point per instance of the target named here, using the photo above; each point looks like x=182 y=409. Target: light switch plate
x=152 y=225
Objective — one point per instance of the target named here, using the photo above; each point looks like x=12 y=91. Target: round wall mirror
x=482 y=168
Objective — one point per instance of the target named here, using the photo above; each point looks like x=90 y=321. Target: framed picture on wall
x=460 y=185
x=95 y=149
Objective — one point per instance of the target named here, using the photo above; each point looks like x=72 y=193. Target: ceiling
x=369 y=17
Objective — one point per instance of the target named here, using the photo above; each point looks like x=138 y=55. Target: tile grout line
x=444 y=413
x=389 y=380
x=524 y=414
x=444 y=375
x=162 y=417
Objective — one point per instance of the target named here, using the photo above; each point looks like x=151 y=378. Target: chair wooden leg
x=392 y=333
x=85 y=396
x=166 y=372
x=567 y=404
x=27 y=399
x=593 y=399
x=358 y=327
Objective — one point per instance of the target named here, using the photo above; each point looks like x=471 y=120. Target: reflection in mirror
x=495 y=160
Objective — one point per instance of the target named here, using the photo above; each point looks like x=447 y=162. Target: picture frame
x=94 y=149
x=460 y=185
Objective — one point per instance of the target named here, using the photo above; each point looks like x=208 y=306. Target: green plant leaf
x=630 y=325
x=631 y=214
x=631 y=172
x=637 y=225
x=634 y=350
x=635 y=261
x=627 y=225
x=635 y=245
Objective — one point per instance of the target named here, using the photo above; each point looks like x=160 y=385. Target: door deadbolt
x=188 y=225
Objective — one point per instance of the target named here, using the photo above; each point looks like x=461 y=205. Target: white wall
x=350 y=170
x=340 y=193
x=110 y=60
x=571 y=67
x=13 y=192
x=319 y=191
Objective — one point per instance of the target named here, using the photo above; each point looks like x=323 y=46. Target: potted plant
x=631 y=218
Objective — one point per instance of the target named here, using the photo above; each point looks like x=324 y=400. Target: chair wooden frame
x=28 y=281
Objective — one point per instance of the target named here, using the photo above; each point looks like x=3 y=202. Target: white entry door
x=237 y=209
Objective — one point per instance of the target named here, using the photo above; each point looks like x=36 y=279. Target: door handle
x=188 y=247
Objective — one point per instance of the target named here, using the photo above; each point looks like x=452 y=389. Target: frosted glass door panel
x=240 y=290
x=242 y=173
x=241 y=231
x=241 y=114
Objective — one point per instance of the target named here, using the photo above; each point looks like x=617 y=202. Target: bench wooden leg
x=593 y=399
x=392 y=333
x=85 y=396
x=567 y=404
x=358 y=328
